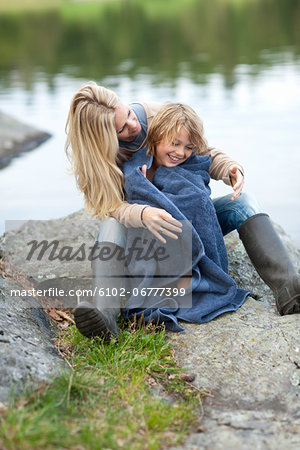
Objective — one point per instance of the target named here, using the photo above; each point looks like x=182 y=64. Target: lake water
x=250 y=109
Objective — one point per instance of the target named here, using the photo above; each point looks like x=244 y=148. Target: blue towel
x=184 y=192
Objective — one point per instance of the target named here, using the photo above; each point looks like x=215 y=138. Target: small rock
x=188 y=377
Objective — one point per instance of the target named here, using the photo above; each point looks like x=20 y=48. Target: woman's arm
x=129 y=215
x=155 y=219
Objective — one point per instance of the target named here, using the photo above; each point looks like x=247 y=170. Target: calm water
x=246 y=88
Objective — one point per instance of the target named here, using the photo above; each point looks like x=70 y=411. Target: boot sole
x=90 y=322
x=292 y=306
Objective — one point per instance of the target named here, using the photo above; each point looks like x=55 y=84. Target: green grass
x=127 y=393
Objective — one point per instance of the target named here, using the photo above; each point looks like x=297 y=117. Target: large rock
x=27 y=353
x=248 y=359
x=54 y=254
x=250 y=362
x=17 y=137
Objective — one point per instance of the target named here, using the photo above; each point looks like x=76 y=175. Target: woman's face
x=126 y=123
x=174 y=153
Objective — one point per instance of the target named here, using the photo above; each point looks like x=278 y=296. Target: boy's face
x=126 y=123
x=174 y=153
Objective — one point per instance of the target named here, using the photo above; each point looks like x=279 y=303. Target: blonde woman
x=103 y=133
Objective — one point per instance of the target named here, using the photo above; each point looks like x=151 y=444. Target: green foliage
x=106 y=400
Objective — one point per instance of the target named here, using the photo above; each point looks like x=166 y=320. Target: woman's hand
x=237 y=181
x=160 y=221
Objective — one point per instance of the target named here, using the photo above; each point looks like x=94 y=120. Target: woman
x=103 y=133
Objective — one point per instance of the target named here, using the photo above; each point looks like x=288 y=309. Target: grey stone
x=78 y=230
x=27 y=353
x=17 y=137
x=249 y=361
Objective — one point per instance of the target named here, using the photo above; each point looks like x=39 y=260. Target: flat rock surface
x=17 y=137
x=69 y=232
x=249 y=361
x=58 y=266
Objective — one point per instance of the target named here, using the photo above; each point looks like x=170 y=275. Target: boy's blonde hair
x=167 y=123
x=92 y=137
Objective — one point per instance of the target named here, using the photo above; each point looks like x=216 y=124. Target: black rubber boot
x=100 y=317
x=271 y=261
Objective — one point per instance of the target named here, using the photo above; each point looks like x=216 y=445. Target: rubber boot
x=271 y=261
x=100 y=317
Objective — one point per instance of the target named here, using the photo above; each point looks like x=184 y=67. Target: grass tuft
x=126 y=393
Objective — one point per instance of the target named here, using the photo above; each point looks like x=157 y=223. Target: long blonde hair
x=167 y=123
x=92 y=137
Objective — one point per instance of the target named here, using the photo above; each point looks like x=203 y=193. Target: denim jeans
x=230 y=215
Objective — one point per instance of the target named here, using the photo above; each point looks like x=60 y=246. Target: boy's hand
x=144 y=170
x=237 y=181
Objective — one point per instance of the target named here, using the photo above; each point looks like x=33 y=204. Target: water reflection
x=147 y=37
